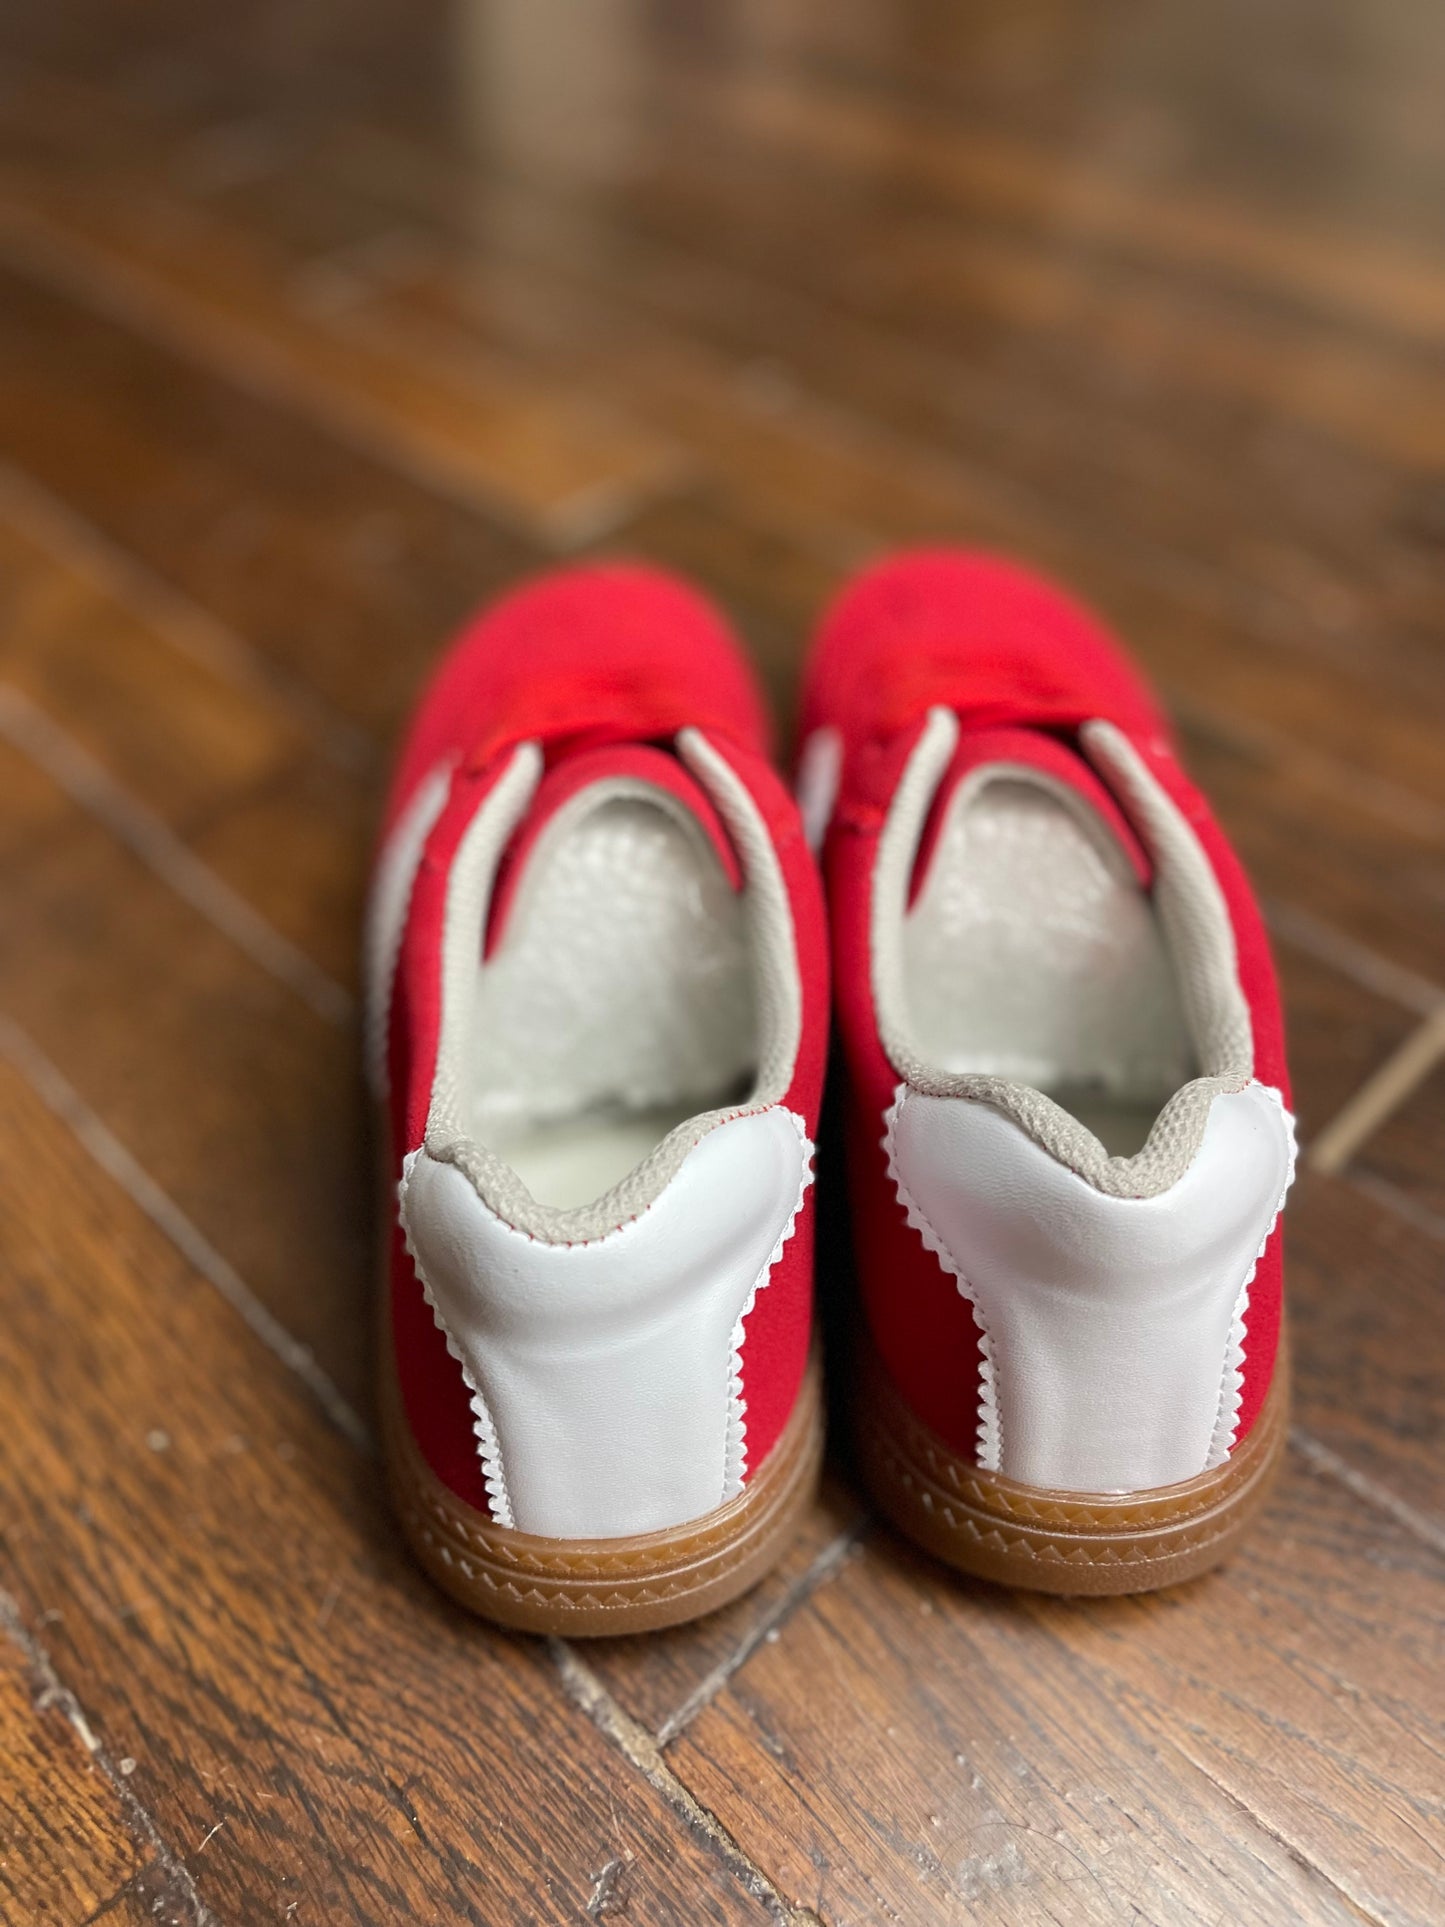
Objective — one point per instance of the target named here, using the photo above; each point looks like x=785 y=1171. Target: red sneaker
x=597 y=987
x=1067 y=1107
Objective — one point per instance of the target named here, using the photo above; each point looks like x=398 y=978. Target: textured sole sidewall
x=1076 y=1544
x=602 y=1587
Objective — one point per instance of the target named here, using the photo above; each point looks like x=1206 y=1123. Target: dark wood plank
x=1260 y=1746
x=531 y=452
x=240 y=1101
x=1407 y=1152
x=228 y=764
x=1177 y=112
x=1158 y=415
x=1292 y=581
x=312 y=1725
x=840 y=483
x=298 y=846
x=345 y=573
x=1363 y=1285
x=65 y=1847
x=173 y=729
x=663 y=1680
x=1338 y=1033
x=1362 y=856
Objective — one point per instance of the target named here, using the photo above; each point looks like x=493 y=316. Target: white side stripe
x=386 y=913
x=820 y=775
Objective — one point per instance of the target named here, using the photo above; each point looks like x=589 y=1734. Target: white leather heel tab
x=1112 y=1325
x=605 y=1374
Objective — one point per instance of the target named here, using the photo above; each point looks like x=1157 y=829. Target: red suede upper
x=1022 y=667
x=601 y=667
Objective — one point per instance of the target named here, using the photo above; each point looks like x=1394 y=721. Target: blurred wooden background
x=321 y=321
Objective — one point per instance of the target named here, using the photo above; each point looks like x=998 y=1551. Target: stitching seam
x=990 y=1438
x=1231 y=1388
x=735 y=1461
x=493 y=1475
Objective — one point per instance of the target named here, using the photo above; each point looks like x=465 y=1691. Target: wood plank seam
x=632 y=1739
x=1353 y=959
x=1404 y=807
x=1396 y=800
x=640 y=1748
x=49 y=1691
x=1257 y=1820
x=1380 y=1096
x=29 y=730
x=182 y=624
x=1232 y=239
x=829 y=1562
x=1322 y=1459
x=37 y=250
x=106 y=1150
x=1400 y=1202
x=1220 y=593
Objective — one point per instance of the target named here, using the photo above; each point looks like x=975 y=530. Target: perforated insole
x=619 y=1002
x=1033 y=953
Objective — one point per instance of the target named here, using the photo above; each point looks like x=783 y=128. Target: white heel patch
x=608 y=1371
x=1113 y=1326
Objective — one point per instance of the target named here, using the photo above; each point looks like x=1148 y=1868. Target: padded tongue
x=1053 y=757
x=611 y=763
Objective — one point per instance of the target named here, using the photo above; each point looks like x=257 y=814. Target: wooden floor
x=318 y=323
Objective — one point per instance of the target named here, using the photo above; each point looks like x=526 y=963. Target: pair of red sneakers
x=598 y=983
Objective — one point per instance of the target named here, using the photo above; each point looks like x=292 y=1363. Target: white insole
x=619 y=1002
x=1033 y=953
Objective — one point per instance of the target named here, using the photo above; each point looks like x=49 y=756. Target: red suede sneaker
x=597 y=1017
x=1067 y=1108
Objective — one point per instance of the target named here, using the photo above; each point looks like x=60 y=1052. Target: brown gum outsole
x=589 y=1588
x=1059 y=1542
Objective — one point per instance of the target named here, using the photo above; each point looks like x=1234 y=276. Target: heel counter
x=1112 y=1326
x=605 y=1374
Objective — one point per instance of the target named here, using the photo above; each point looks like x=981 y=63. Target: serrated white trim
x=1110 y=1320
x=1231 y=1390
x=990 y=1439
x=489 y=1451
x=604 y=1367
x=736 y=1462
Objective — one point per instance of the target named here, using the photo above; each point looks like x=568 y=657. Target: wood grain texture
x=219 y=1081
x=1212 y=1751
x=218 y=1570
x=338 y=568
x=65 y=1847
x=1364 y=1284
x=319 y=326
x=177 y=719
x=1408 y=1152
x=1338 y=1030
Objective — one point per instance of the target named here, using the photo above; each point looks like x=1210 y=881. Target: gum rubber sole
x=593 y=1587
x=1059 y=1542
